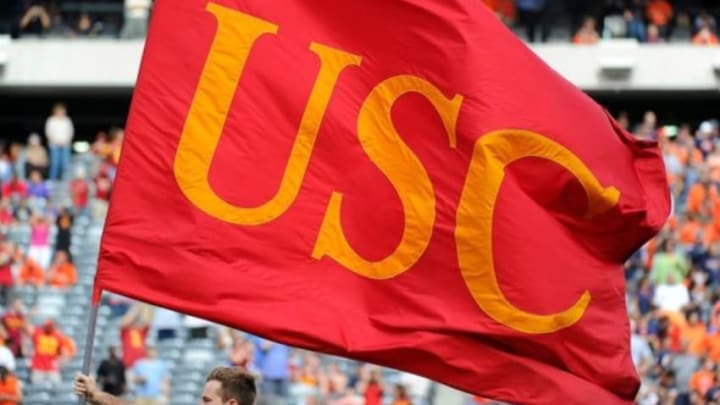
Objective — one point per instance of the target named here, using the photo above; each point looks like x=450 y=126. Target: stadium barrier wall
x=38 y=64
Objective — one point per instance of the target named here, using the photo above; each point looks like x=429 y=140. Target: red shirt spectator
x=373 y=394
x=6 y=214
x=47 y=342
x=6 y=261
x=133 y=343
x=103 y=184
x=374 y=388
x=80 y=192
x=16 y=325
x=134 y=327
x=15 y=188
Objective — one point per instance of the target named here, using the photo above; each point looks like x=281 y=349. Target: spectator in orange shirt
x=587 y=34
x=660 y=13
x=62 y=273
x=703 y=379
x=30 y=272
x=689 y=229
x=705 y=35
x=699 y=192
x=10 y=392
x=694 y=333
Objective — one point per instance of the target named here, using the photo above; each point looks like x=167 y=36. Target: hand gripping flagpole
x=90 y=335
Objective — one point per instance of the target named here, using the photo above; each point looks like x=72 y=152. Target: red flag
x=401 y=182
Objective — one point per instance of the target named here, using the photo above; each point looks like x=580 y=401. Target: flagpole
x=90 y=337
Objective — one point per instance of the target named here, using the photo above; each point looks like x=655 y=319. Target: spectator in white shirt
x=672 y=296
x=59 y=131
x=7 y=358
x=136 y=18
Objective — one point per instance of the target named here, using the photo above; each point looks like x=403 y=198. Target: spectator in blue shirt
x=38 y=191
x=37 y=188
x=151 y=379
x=272 y=360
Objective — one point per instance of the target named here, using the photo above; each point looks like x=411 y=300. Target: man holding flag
x=224 y=386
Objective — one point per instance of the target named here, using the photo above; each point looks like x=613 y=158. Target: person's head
x=667 y=378
x=239 y=342
x=650 y=119
x=400 y=391
x=375 y=375
x=671 y=279
x=61 y=257
x=653 y=32
x=84 y=22
x=59 y=110
x=17 y=305
x=668 y=246
x=228 y=386
x=693 y=317
x=79 y=172
x=588 y=24
x=151 y=353
x=112 y=352
x=49 y=326
x=34 y=139
x=116 y=134
x=35 y=176
x=624 y=120
x=4 y=372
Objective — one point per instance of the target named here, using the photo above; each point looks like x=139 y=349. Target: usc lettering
x=236 y=35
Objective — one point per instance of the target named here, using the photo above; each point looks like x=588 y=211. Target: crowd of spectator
x=582 y=22
x=127 y=19
x=29 y=176
x=646 y=21
x=673 y=298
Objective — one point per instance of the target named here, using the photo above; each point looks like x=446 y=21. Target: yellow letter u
x=235 y=36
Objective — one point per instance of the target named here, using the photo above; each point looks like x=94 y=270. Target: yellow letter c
x=493 y=152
